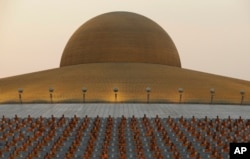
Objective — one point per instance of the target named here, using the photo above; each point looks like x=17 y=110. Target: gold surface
x=120 y=37
x=126 y=51
x=130 y=78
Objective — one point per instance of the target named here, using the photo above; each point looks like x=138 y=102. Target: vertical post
x=148 y=90
x=51 y=90
x=83 y=97
x=115 y=91
x=180 y=90
x=242 y=92
x=20 y=91
x=84 y=90
x=212 y=91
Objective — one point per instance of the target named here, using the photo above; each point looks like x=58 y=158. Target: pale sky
x=211 y=36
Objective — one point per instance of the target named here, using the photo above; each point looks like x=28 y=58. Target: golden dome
x=120 y=37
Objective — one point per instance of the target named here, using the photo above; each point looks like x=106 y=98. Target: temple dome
x=120 y=37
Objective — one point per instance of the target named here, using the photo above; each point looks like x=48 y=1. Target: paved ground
x=117 y=110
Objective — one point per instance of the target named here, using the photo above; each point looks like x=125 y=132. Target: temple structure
x=122 y=57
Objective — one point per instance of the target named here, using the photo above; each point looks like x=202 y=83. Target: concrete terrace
x=128 y=110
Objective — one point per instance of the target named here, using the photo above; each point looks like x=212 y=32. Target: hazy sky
x=211 y=36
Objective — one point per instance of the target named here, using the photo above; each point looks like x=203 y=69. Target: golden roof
x=131 y=79
x=128 y=52
x=120 y=37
